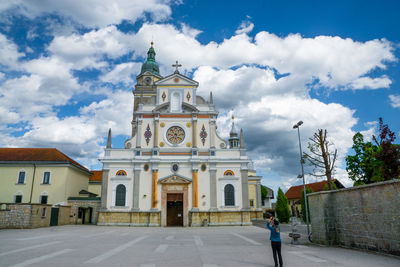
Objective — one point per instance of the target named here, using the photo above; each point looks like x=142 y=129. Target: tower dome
x=151 y=64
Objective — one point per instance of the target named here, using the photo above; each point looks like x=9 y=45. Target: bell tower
x=145 y=90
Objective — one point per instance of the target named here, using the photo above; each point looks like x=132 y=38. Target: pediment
x=186 y=108
x=177 y=79
x=174 y=179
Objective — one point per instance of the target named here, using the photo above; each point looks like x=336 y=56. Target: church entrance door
x=174 y=209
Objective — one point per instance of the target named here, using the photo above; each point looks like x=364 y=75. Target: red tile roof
x=36 y=155
x=96 y=176
x=294 y=192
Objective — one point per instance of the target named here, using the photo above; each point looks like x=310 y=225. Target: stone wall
x=24 y=215
x=366 y=217
x=219 y=218
x=84 y=202
x=133 y=218
x=64 y=215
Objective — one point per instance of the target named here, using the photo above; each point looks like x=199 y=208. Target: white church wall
x=145 y=189
x=227 y=153
x=204 y=189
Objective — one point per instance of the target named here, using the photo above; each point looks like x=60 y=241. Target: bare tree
x=320 y=157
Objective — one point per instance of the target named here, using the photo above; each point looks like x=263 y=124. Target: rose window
x=175 y=135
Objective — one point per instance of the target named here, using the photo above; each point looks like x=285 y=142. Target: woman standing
x=273 y=226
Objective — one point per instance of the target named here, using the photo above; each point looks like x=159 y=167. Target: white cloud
x=9 y=54
x=89 y=50
x=243 y=73
x=124 y=72
x=245 y=27
x=395 y=100
x=93 y=13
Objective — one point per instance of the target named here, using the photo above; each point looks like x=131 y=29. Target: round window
x=175 y=135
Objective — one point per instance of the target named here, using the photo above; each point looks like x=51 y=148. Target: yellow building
x=40 y=175
x=95 y=182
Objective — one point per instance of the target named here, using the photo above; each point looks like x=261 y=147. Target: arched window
x=175 y=101
x=229 y=192
x=121 y=173
x=229 y=173
x=120 y=195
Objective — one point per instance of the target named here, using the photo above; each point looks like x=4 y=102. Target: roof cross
x=176 y=65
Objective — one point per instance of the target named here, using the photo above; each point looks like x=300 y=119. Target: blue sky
x=67 y=71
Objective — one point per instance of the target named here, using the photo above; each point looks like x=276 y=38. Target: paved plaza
x=74 y=245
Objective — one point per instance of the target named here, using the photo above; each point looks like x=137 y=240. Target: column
x=156 y=128
x=258 y=195
x=245 y=189
x=154 y=189
x=136 y=184
x=139 y=134
x=104 y=185
x=213 y=188
x=194 y=132
x=195 y=192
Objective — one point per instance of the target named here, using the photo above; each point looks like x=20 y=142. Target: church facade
x=175 y=170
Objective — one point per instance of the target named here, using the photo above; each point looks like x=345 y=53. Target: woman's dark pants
x=276 y=249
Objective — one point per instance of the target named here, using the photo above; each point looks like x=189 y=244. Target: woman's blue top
x=275 y=236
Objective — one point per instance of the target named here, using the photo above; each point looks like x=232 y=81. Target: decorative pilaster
x=136 y=184
x=258 y=195
x=139 y=134
x=213 y=188
x=212 y=134
x=195 y=189
x=104 y=185
x=245 y=189
x=194 y=131
x=154 y=189
x=156 y=129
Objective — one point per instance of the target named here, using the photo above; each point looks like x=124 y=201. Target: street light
x=297 y=126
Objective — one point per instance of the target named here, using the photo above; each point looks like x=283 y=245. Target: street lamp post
x=297 y=126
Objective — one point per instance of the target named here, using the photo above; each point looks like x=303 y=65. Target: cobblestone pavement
x=74 y=245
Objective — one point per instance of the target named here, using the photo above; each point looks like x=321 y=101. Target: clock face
x=175 y=135
x=147 y=81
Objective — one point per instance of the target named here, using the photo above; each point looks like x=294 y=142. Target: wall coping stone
x=394 y=181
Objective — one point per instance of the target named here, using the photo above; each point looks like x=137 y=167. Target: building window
x=229 y=173
x=229 y=192
x=121 y=173
x=43 y=199
x=252 y=203
x=21 y=178
x=146 y=167
x=120 y=195
x=18 y=199
x=46 y=178
x=44 y=212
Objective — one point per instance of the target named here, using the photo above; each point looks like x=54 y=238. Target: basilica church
x=175 y=170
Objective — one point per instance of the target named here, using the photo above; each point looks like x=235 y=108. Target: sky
x=67 y=71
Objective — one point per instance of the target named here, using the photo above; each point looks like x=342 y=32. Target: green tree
x=282 y=207
x=303 y=205
x=374 y=162
x=363 y=167
x=321 y=157
x=326 y=187
x=264 y=192
x=388 y=153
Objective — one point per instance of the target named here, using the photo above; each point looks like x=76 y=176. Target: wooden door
x=174 y=209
